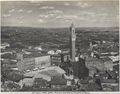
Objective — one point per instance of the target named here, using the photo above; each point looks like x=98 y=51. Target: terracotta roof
x=108 y=81
x=41 y=82
x=106 y=59
x=84 y=82
x=57 y=80
x=111 y=73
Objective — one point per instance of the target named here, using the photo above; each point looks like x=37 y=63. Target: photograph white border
x=61 y=92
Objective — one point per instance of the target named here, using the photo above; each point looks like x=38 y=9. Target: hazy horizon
x=60 y=27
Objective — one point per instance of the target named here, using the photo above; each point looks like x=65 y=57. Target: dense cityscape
x=73 y=68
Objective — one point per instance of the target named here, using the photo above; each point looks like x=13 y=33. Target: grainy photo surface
x=59 y=46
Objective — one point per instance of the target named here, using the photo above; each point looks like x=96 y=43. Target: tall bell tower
x=72 y=42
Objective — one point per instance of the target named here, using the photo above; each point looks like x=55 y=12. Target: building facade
x=31 y=63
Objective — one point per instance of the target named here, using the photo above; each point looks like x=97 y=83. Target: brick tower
x=72 y=42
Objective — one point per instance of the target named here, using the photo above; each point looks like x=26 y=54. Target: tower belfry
x=72 y=42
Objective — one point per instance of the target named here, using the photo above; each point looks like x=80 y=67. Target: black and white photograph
x=60 y=46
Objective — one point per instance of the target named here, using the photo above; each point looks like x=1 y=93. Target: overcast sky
x=60 y=13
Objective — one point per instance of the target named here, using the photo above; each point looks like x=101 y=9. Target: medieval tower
x=72 y=42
